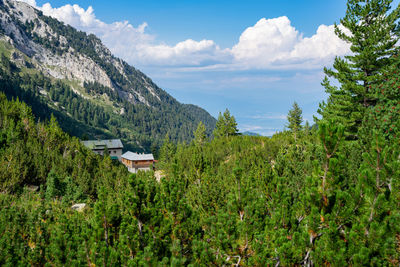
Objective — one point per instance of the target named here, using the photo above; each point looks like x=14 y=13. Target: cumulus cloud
x=121 y=37
x=267 y=41
x=31 y=2
x=275 y=43
x=270 y=43
x=324 y=44
x=189 y=52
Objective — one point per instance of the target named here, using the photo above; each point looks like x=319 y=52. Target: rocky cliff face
x=28 y=27
x=101 y=84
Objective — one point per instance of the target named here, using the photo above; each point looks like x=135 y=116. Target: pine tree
x=167 y=150
x=226 y=125
x=53 y=186
x=295 y=119
x=200 y=134
x=385 y=115
x=370 y=27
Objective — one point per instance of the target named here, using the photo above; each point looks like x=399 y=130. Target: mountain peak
x=79 y=60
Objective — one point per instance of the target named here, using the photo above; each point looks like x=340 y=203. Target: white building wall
x=115 y=152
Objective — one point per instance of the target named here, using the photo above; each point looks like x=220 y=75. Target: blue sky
x=253 y=57
x=219 y=20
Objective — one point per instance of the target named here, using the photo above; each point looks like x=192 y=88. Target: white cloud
x=324 y=44
x=73 y=15
x=31 y=2
x=267 y=41
x=189 y=52
x=275 y=43
x=269 y=44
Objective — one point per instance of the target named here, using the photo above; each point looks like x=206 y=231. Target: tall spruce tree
x=295 y=119
x=371 y=29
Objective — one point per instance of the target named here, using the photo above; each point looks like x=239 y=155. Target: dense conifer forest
x=326 y=195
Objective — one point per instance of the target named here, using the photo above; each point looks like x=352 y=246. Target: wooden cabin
x=114 y=147
x=137 y=162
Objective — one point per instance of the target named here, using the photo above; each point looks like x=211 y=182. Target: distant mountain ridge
x=248 y=133
x=73 y=75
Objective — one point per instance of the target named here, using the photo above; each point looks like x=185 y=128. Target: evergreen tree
x=295 y=119
x=226 y=125
x=307 y=128
x=167 y=150
x=370 y=27
x=200 y=134
x=53 y=186
x=385 y=115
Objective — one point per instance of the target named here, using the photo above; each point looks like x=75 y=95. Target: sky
x=254 y=57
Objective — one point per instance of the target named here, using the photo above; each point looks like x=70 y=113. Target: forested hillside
x=60 y=70
x=250 y=201
x=311 y=196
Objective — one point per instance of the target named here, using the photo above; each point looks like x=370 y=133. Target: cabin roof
x=102 y=144
x=137 y=157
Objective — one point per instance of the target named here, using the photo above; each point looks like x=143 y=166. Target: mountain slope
x=60 y=70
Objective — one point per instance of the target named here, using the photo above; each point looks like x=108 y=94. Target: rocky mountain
x=62 y=71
